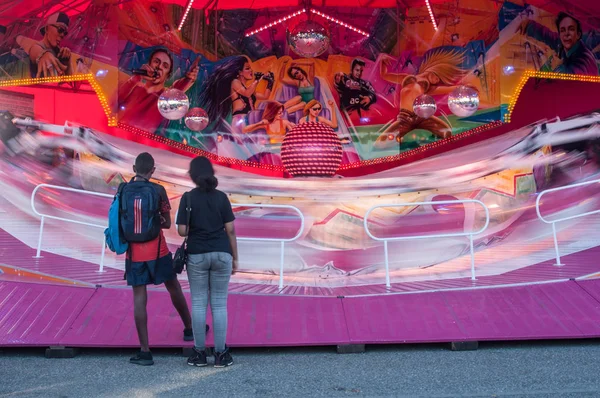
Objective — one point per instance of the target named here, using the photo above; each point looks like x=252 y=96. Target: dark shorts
x=150 y=272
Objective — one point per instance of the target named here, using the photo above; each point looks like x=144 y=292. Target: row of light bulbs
x=277 y=22
x=185 y=14
x=312 y=10
x=431 y=15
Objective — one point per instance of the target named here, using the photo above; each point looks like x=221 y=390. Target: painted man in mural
x=139 y=95
x=437 y=74
x=567 y=43
x=356 y=94
x=47 y=57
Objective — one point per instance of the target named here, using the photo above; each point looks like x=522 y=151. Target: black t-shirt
x=210 y=212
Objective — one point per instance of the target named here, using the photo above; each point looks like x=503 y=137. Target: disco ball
x=196 y=119
x=424 y=106
x=173 y=104
x=309 y=39
x=311 y=149
x=463 y=101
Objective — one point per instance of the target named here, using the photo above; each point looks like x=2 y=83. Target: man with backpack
x=144 y=211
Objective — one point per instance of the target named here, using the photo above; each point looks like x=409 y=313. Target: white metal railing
x=282 y=241
x=44 y=216
x=259 y=206
x=553 y=222
x=396 y=238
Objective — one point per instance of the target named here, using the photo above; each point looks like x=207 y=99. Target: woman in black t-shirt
x=212 y=258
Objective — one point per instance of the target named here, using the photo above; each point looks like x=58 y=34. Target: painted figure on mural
x=568 y=44
x=356 y=94
x=231 y=90
x=273 y=122
x=297 y=76
x=139 y=95
x=438 y=74
x=47 y=57
x=313 y=109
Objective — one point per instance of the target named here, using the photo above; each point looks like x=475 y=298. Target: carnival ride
x=329 y=252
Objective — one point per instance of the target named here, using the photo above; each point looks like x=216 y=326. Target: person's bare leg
x=292 y=102
x=140 y=299
x=296 y=108
x=179 y=302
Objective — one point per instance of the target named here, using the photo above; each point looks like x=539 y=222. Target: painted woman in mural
x=139 y=95
x=47 y=57
x=567 y=44
x=306 y=89
x=231 y=90
x=273 y=122
x=437 y=74
x=312 y=110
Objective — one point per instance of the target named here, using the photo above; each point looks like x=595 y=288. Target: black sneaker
x=223 y=359
x=198 y=358
x=142 y=358
x=188 y=334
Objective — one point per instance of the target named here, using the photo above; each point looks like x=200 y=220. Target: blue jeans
x=209 y=272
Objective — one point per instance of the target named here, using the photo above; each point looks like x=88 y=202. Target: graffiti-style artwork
x=60 y=41
x=363 y=86
x=535 y=39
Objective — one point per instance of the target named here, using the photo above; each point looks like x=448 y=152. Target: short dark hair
x=144 y=163
x=203 y=174
x=165 y=51
x=357 y=61
x=563 y=15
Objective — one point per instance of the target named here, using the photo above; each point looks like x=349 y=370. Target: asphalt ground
x=520 y=369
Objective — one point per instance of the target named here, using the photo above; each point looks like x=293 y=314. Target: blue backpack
x=139 y=214
x=113 y=234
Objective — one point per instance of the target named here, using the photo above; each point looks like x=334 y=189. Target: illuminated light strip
x=337 y=21
x=112 y=120
x=543 y=75
x=431 y=15
x=185 y=14
x=277 y=22
x=42 y=80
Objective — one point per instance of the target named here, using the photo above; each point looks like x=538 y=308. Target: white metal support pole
x=387 y=265
x=102 y=255
x=558 y=263
x=281 y=266
x=472 y=257
x=39 y=246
